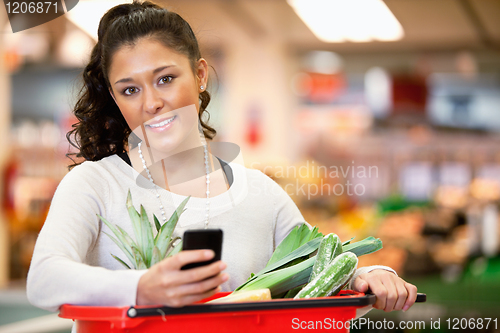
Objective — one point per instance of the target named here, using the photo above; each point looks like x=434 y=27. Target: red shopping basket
x=278 y=315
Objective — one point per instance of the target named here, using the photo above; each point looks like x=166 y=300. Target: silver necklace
x=207 y=178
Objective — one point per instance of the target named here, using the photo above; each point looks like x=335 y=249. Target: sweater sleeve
x=58 y=273
x=286 y=213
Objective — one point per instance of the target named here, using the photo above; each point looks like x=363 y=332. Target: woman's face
x=158 y=93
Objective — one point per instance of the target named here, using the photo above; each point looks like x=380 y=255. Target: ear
x=202 y=74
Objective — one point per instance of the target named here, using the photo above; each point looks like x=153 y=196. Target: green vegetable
x=291 y=267
x=330 y=247
x=282 y=280
x=366 y=246
x=347 y=241
x=146 y=251
x=331 y=280
x=292 y=292
x=295 y=239
x=299 y=254
x=293 y=249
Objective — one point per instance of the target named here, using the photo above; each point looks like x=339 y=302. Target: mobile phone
x=201 y=239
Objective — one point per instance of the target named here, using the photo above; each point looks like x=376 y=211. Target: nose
x=152 y=101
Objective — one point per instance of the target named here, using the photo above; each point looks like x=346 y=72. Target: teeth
x=163 y=123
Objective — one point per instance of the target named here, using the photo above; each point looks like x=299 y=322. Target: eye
x=129 y=91
x=166 y=79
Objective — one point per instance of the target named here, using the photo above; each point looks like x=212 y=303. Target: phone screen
x=200 y=239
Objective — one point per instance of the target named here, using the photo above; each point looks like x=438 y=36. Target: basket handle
x=421 y=297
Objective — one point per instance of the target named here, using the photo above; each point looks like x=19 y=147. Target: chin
x=165 y=146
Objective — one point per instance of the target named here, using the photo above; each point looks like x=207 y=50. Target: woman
x=146 y=79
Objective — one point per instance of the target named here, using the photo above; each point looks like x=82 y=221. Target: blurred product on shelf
x=452 y=251
x=485 y=189
x=441 y=211
x=453 y=197
x=36 y=165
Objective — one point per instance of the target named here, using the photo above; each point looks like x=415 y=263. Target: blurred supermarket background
x=378 y=118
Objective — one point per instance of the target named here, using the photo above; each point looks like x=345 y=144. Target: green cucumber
x=330 y=247
x=331 y=279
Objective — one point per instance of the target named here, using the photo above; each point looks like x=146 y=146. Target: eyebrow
x=159 y=69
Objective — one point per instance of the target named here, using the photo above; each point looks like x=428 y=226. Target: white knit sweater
x=72 y=260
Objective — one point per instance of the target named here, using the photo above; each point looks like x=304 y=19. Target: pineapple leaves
x=146 y=250
x=139 y=258
x=122 y=242
x=171 y=246
x=157 y=224
x=164 y=237
x=177 y=248
x=156 y=258
x=134 y=216
x=121 y=261
x=129 y=240
x=147 y=237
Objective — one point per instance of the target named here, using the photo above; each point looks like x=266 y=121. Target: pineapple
x=147 y=250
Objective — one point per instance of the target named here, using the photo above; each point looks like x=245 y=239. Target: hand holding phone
x=201 y=239
x=151 y=290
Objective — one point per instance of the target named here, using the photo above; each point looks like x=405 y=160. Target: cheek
x=187 y=95
x=191 y=121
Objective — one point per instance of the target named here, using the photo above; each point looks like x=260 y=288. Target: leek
x=365 y=246
x=293 y=249
x=281 y=280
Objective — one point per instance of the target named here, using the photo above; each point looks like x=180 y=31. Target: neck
x=182 y=167
x=177 y=168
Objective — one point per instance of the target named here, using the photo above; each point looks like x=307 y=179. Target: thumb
x=360 y=285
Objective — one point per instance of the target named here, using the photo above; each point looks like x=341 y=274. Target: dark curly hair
x=101 y=130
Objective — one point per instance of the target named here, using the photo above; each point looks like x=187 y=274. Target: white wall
x=257 y=75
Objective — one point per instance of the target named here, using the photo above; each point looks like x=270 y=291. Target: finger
x=190 y=299
x=392 y=293
x=402 y=295
x=178 y=301
x=380 y=291
x=360 y=285
x=202 y=286
x=412 y=296
x=186 y=257
x=201 y=273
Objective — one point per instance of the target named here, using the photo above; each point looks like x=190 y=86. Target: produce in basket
x=332 y=278
x=245 y=296
x=146 y=250
x=291 y=265
x=365 y=246
x=330 y=247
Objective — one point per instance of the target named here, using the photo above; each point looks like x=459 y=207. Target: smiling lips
x=161 y=126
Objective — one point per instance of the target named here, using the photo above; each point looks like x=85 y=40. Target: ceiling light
x=336 y=21
x=87 y=14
